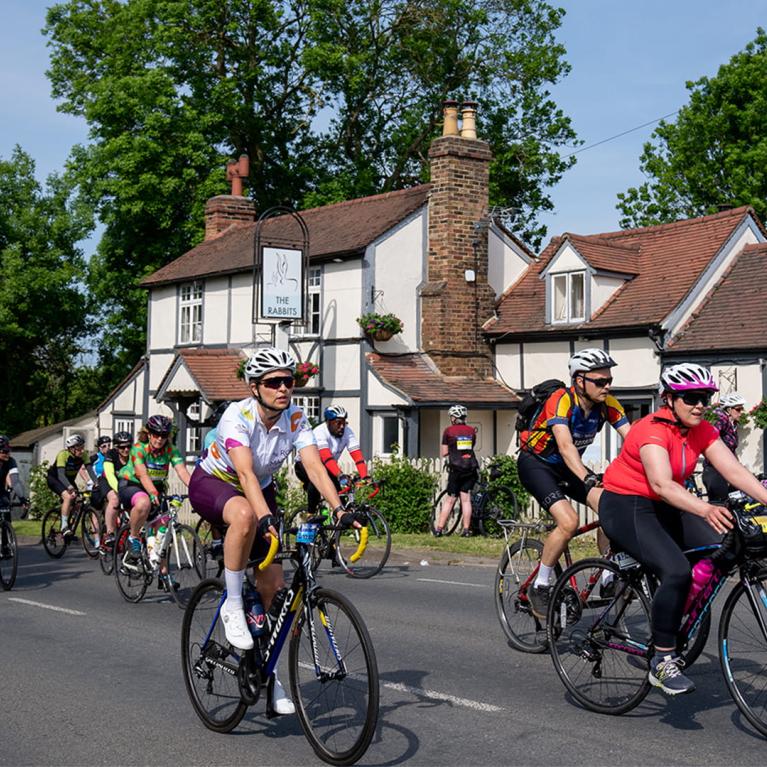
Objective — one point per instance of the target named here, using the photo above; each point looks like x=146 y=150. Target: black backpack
x=532 y=403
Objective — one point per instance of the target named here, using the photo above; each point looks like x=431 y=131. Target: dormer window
x=568 y=297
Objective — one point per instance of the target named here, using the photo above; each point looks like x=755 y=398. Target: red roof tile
x=417 y=378
x=671 y=257
x=340 y=229
x=214 y=371
x=732 y=316
x=607 y=255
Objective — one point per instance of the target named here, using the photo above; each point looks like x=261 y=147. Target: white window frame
x=125 y=424
x=190 y=299
x=310 y=405
x=568 y=298
x=313 y=325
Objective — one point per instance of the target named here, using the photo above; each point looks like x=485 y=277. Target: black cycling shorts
x=549 y=483
x=458 y=482
x=55 y=484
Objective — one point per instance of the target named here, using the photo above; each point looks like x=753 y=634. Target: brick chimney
x=227 y=210
x=454 y=307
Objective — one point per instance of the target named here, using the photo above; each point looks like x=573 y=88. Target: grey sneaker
x=666 y=673
x=539 y=597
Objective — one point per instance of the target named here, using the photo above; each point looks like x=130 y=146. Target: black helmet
x=5 y=443
x=123 y=437
x=159 y=424
x=104 y=440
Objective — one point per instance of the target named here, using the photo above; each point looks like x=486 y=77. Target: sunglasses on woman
x=277 y=381
x=693 y=398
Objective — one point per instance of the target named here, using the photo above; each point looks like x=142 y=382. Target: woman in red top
x=644 y=501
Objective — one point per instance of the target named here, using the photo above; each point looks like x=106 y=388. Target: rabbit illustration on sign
x=280 y=277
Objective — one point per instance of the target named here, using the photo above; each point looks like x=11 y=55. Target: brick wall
x=452 y=309
x=227 y=210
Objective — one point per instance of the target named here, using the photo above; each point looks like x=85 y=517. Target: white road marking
x=452 y=583
x=47 y=607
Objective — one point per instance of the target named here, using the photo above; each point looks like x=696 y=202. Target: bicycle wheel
x=132 y=579
x=214 y=566
x=516 y=573
x=600 y=645
x=334 y=678
x=454 y=518
x=186 y=563
x=107 y=557
x=92 y=528
x=743 y=650
x=53 y=541
x=210 y=663
x=499 y=503
x=9 y=559
x=376 y=553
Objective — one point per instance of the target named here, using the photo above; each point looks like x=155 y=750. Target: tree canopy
x=331 y=99
x=714 y=154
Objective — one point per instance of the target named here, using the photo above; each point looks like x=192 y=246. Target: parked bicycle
x=601 y=646
x=9 y=552
x=176 y=559
x=83 y=522
x=332 y=664
x=490 y=503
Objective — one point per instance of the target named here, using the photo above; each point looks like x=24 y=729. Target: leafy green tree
x=42 y=308
x=715 y=152
x=331 y=99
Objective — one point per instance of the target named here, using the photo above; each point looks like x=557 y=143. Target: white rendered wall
x=381 y=396
x=162 y=313
x=215 y=310
x=158 y=367
x=567 y=260
x=242 y=306
x=341 y=299
x=546 y=359
x=638 y=362
x=507 y=360
x=341 y=367
x=602 y=288
x=506 y=264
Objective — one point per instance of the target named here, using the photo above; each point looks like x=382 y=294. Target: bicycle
x=601 y=647
x=106 y=549
x=9 y=556
x=333 y=669
x=489 y=505
x=179 y=547
x=81 y=517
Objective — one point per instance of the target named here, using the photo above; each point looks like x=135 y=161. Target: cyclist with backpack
x=558 y=423
x=457 y=446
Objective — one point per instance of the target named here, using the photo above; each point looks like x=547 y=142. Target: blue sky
x=630 y=62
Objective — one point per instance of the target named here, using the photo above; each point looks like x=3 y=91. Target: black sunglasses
x=157 y=434
x=600 y=382
x=692 y=398
x=126 y=446
x=275 y=383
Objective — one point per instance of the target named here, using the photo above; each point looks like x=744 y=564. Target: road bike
x=517 y=571
x=601 y=647
x=83 y=522
x=106 y=548
x=332 y=664
x=179 y=549
x=9 y=552
x=490 y=503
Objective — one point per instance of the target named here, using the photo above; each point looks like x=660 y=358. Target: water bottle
x=276 y=605
x=254 y=611
x=702 y=573
x=151 y=548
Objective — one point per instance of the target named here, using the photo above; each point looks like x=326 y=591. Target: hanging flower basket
x=758 y=414
x=380 y=327
x=305 y=371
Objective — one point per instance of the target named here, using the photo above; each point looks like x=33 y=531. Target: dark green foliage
x=407 y=495
x=41 y=497
x=503 y=469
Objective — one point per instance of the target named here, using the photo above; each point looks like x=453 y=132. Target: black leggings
x=654 y=533
x=716 y=485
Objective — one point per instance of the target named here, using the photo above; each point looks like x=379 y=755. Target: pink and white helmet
x=687 y=376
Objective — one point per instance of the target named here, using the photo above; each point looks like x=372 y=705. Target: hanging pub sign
x=280 y=254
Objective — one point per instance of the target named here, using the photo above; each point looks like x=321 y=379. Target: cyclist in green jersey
x=62 y=476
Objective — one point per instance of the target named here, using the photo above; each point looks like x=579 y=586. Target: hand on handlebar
x=352 y=519
x=268 y=526
x=719 y=518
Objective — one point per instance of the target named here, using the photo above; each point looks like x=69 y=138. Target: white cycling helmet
x=335 y=411
x=733 y=399
x=266 y=360
x=74 y=440
x=687 y=376
x=590 y=359
x=458 y=411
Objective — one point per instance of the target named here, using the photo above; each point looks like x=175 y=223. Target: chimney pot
x=469 y=119
x=236 y=172
x=450 y=114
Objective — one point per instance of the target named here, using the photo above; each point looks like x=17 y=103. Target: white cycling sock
x=233 y=581
x=544 y=575
x=64 y=521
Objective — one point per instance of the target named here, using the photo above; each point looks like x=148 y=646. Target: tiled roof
x=607 y=255
x=418 y=379
x=671 y=257
x=732 y=316
x=31 y=437
x=214 y=371
x=340 y=229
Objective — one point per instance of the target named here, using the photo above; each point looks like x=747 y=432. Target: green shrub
x=290 y=496
x=505 y=475
x=41 y=497
x=407 y=494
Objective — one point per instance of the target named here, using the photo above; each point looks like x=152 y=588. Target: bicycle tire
x=743 y=653
x=220 y=710
x=186 y=563
x=88 y=531
x=339 y=737
x=131 y=583
x=581 y=627
x=106 y=557
x=53 y=541
x=375 y=555
x=454 y=518
x=516 y=567
x=214 y=566
x=9 y=555
x=499 y=503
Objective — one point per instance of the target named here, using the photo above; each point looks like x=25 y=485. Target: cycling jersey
x=459 y=439
x=66 y=466
x=112 y=464
x=9 y=473
x=331 y=448
x=626 y=474
x=563 y=407
x=157 y=464
x=241 y=426
x=97 y=464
